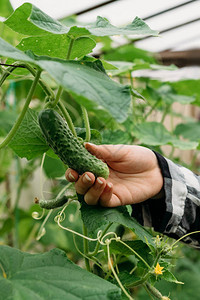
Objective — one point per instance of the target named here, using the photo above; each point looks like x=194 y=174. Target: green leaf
x=90 y=86
x=155 y=134
x=128 y=279
x=152 y=133
x=57 y=45
x=188 y=131
x=184 y=145
x=30 y=20
x=137 y=29
x=138 y=246
x=9 y=51
x=28 y=141
x=168 y=276
x=116 y=137
x=50 y=275
x=169 y=96
x=97 y=216
x=138 y=64
x=96 y=137
x=53 y=167
x=129 y=53
x=190 y=87
x=86 y=81
x=6 y=8
x=76 y=32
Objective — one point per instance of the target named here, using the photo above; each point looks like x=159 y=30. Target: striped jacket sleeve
x=178 y=212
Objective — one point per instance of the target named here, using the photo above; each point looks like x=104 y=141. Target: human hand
x=134 y=176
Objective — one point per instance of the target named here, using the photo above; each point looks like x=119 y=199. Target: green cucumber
x=52 y=203
x=68 y=148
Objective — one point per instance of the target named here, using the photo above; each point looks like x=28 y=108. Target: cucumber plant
x=67 y=84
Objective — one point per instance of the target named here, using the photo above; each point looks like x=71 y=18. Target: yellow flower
x=158 y=269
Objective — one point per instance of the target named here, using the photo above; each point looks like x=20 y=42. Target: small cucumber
x=67 y=146
x=52 y=203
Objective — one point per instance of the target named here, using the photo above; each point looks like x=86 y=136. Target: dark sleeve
x=178 y=212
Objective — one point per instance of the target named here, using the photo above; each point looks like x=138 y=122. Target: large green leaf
x=116 y=137
x=30 y=20
x=50 y=275
x=125 y=66
x=190 y=131
x=91 y=87
x=95 y=137
x=53 y=167
x=9 y=51
x=138 y=246
x=86 y=81
x=152 y=133
x=97 y=216
x=129 y=53
x=6 y=8
x=137 y=29
x=155 y=134
x=190 y=87
x=57 y=45
x=22 y=21
x=169 y=96
x=28 y=141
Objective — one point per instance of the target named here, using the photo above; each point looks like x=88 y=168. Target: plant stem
x=98 y=244
x=59 y=92
x=87 y=124
x=6 y=73
x=60 y=89
x=30 y=237
x=146 y=289
x=9 y=70
x=151 y=110
x=3 y=271
x=198 y=231
x=166 y=111
x=86 y=249
x=48 y=91
x=115 y=274
x=23 y=112
x=133 y=97
x=67 y=117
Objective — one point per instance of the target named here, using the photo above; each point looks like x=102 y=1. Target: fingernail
x=71 y=176
x=87 y=143
x=86 y=178
x=99 y=181
x=109 y=184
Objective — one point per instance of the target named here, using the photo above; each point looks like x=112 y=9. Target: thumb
x=105 y=152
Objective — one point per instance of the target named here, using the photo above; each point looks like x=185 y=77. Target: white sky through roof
x=124 y=11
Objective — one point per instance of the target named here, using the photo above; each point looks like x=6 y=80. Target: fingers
x=84 y=183
x=94 y=193
x=106 y=152
x=71 y=175
x=113 y=201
